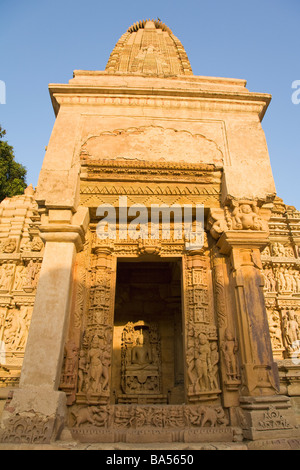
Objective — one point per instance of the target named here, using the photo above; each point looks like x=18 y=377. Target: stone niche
x=147 y=362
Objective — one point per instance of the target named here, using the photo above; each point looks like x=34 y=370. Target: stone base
x=33 y=415
x=153 y=435
x=274 y=444
x=269 y=417
x=145 y=399
x=289 y=373
x=295 y=401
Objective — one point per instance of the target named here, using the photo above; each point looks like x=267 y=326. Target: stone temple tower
x=142 y=338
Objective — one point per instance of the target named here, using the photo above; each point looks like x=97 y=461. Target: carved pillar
x=37 y=406
x=201 y=346
x=259 y=371
x=241 y=234
x=69 y=376
x=96 y=348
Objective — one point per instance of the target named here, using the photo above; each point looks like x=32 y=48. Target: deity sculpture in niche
x=291 y=331
x=6 y=276
x=141 y=375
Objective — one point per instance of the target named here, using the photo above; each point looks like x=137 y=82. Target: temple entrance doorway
x=147 y=362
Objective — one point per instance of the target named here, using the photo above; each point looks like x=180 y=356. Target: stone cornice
x=242 y=239
x=63 y=233
x=195 y=79
x=209 y=99
x=142 y=170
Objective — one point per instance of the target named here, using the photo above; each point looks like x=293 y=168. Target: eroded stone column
x=259 y=371
x=49 y=318
x=241 y=231
x=264 y=413
x=229 y=344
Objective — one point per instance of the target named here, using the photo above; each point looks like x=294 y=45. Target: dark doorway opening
x=147 y=365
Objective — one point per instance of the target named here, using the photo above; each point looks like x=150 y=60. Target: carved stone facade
x=281 y=270
x=136 y=338
x=21 y=255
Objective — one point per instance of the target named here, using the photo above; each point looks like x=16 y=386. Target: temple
x=114 y=325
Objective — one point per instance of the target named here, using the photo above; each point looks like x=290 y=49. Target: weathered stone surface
x=136 y=340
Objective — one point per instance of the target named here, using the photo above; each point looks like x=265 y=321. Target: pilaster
x=259 y=371
x=241 y=233
x=37 y=406
x=201 y=346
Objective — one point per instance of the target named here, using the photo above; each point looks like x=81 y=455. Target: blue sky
x=43 y=41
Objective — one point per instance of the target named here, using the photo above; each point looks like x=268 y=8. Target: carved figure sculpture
x=246 y=217
x=214 y=359
x=71 y=351
x=6 y=274
x=275 y=330
x=85 y=415
x=229 y=350
x=291 y=330
x=32 y=274
x=10 y=245
x=140 y=359
x=281 y=280
x=82 y=370
x=203 y=363
x=272 y=282
x=96 y=369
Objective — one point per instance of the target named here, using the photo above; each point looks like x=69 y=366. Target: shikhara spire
x=149 y=48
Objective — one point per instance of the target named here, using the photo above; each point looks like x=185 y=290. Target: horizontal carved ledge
x=63 y=233
x=149 y=165
x=242 y=239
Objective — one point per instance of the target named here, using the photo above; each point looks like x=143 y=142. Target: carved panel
x=150 y=423
x=281 y=272
x=86 y=370
x=202 y=354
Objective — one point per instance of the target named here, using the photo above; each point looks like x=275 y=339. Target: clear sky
x=43 y=41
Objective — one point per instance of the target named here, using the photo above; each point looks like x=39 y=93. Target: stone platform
x=276 y=444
